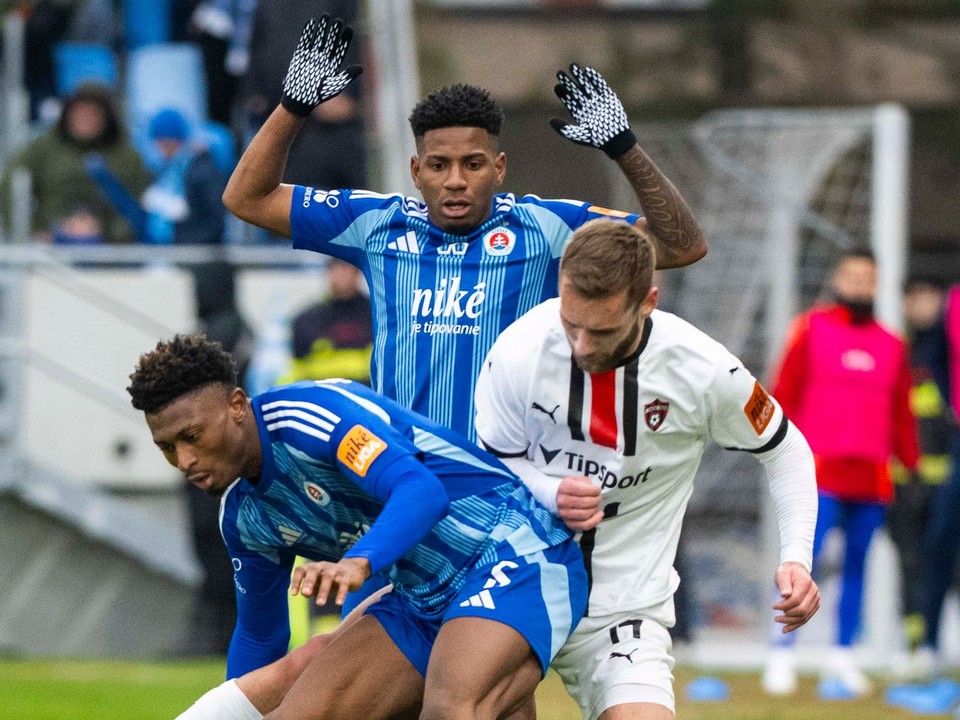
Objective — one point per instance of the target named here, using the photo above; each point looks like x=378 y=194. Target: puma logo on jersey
x=624 y=655
x=548 y=413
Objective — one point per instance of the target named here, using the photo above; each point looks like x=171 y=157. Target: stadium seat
x=79 y=63
x=146 y=22
x=168 y=75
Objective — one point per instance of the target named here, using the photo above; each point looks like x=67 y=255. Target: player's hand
x=319 y=578
x=578 y=503
x=314 y=75
x=801 y=596
x=602 y=121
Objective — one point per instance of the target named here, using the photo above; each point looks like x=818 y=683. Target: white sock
x=224 y=702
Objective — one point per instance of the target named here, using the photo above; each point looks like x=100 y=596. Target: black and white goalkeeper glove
x=601 y=120
x=314 y=75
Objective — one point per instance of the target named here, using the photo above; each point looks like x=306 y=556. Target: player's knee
x=298 y=659
x=271 y=684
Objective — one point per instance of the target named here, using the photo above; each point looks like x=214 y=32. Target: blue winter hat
x=168 y=124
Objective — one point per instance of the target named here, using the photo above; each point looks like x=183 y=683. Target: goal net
x=779 y=193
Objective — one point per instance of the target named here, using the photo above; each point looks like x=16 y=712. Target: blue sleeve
x=415 y=501
x=557 y=219
x=386 y=465
x=262 y=633
x=338 y=222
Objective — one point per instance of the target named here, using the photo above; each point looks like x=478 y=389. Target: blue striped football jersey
x=440 y=300
x=333 y=455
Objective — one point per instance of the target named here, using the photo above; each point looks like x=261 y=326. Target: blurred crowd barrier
x=73 y=332
x=87 y=501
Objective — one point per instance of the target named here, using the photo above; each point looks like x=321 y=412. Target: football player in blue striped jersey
x=448 y=273
x=487 y=583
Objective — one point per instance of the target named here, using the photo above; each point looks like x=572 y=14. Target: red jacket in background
x=846 y=386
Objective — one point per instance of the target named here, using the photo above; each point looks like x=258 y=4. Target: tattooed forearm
x=680 y=241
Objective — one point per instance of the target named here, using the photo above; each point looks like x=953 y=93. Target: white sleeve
x=500 y=404
x=741 y=415
x=793 y=487
x=543 y=487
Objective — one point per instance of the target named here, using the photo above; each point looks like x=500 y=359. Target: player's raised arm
x=601 y=122
x=254 y=193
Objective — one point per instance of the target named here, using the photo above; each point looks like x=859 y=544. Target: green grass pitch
x=97 y=690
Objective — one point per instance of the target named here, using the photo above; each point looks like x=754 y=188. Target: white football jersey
x=638 y=432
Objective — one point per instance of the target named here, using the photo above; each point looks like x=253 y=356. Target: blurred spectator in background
x=80 y=227
x=220 y=319
x=844 y=379
x=48 y=22
x=183 y=204
x=214 y=610
x=939 y=350
x=334 y=337
x=908 y=516
x=329 y=152
x=90 y=125
x=222 y=29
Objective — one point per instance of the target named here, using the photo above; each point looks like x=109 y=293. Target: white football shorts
x=620 y=659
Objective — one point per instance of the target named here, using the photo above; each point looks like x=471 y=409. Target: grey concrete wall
x=88 y=575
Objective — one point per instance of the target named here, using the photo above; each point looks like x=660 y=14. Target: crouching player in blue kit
x=487 y=584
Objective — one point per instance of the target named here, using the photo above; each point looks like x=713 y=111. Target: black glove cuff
x=295 y=106
x=619 y=144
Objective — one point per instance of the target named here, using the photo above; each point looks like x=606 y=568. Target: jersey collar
x=644 y=339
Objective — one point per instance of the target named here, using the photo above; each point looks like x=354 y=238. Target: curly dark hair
x=177 y=367
x=457 y=106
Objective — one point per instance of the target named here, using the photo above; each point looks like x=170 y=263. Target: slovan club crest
x=317 y=494
x=655 y=413
x=499 y=242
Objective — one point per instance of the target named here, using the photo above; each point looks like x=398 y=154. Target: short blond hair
x=606 y=257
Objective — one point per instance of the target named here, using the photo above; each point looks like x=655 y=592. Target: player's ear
x=239 y=404
x=500 y=163
x=415 y=170
x=649 y=303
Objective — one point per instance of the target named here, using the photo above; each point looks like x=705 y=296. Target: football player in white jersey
x=603 y=405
